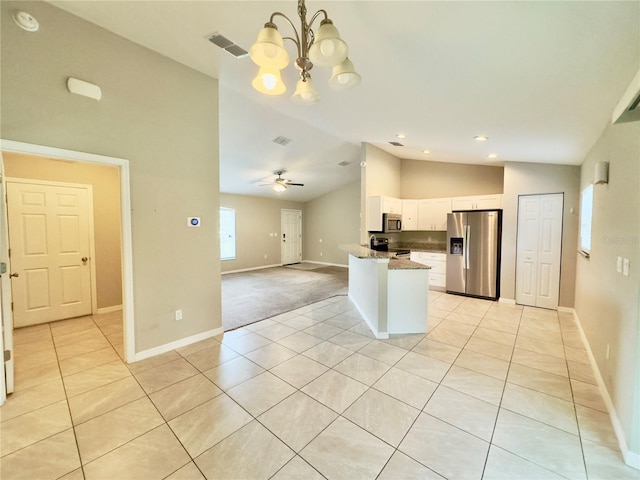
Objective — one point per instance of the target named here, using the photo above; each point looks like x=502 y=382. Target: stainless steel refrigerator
x=473 y=253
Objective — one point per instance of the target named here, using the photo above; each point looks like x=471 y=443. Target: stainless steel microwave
x=391 y=222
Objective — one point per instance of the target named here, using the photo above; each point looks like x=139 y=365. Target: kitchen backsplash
x=431 y=241
x=427 y=246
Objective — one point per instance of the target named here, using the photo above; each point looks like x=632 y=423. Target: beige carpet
x=249 y=297
x=305 y=266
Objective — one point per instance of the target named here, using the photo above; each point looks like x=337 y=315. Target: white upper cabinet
x=477 y=202
x=432 y=214
x=378 y=205
x=391 y=205
x=426 y=215
x=488 y=202
x=410 y=215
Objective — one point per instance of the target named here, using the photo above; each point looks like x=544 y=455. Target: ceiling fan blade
x=295 y=184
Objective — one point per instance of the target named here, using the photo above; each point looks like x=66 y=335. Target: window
x=586 y=213
x=227 y=233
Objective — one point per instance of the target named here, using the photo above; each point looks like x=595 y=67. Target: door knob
x=84 y=260
x=14 y=275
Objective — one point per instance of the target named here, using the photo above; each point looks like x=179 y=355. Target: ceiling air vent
x=227 y=45
x=396 y=144
x=282 y=140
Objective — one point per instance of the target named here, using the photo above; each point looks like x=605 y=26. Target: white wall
x=606 y=302
x=156 y=113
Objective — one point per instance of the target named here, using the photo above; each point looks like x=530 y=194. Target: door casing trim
x=125 y=219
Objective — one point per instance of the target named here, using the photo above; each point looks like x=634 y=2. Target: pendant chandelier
x=324 y=48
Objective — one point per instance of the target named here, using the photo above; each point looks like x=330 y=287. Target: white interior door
x=6 y=316
x=291 y=246
x=539 y=248
x=50 y=236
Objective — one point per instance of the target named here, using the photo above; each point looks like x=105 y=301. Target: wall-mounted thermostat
x=193 y=221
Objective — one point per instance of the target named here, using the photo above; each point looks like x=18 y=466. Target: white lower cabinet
x=438 y=264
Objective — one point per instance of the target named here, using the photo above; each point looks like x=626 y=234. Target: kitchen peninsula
x=391 y=294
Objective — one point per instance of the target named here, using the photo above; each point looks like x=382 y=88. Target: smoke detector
x=26 y=21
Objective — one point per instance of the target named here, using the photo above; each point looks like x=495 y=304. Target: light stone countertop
x=406 y=264
x=364 y=252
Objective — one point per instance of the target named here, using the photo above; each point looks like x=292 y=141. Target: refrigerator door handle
x=467 y=235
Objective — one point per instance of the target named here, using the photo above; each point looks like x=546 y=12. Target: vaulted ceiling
x=539 y=78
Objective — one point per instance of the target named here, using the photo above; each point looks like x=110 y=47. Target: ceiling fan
x=280 y=184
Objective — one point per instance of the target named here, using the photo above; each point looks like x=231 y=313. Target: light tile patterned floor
x=493 y=391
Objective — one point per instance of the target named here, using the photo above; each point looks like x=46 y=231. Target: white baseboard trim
x=113 y=308
x=327 y=264
x=183 y=342
x=508 y=301
x=250 y=269
x=630 y=458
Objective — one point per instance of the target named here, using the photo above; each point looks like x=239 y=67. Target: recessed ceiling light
x=401 y=136
x=481 y=138
x=426 y=152
x=492 y=155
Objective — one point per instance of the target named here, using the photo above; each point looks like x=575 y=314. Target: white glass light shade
x=344 y=76
x=269 y=51
x=279 y=187
x=328 y=49
x=306 y=93
x=269 y=81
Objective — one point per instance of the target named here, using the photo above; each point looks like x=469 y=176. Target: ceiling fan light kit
x=323 y=47
x=280 y=184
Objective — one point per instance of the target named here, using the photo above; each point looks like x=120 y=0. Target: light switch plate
x=619 y=265
x=626 y=264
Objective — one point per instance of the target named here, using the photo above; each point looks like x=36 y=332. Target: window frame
x=586 y=220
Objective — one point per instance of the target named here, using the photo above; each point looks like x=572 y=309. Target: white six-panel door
x=291 y=241
x=50 y=235
x=539 y=248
